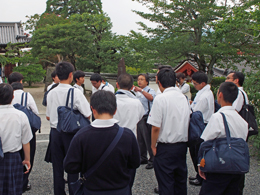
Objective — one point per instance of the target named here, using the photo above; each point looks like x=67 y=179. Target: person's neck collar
x=65 y=81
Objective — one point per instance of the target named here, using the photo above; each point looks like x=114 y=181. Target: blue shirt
x=144 y=100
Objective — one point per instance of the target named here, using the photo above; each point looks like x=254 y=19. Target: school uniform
x=79 y=87
x=111 y=87
x=59 y=141
x=216 y=183
x=89 y=144
x=185 y=89
x=204 y=102
x=129 y=110
x=239 y=102
x=32 y=106
x=171 y=113
x=101 y=87
x=144 y=129
x=49 y=86
x=15 y=130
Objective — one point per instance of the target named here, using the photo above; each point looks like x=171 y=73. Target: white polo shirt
x=79 y=87
x=204 y=102
x=129 y=110
x=15 y=129
x=215 y=129
x=57 y=97
x=30 y=101
x=171 y=113
x=239 y=102
x=106 y=88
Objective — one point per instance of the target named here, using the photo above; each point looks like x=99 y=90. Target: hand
x=137 y=89
x=202 y=174
x=28 y=164
x=154 y=150
x=48 y=118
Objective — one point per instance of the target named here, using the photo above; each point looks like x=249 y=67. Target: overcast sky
x=119 y=11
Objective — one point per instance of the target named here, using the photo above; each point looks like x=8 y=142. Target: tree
x=186 y=30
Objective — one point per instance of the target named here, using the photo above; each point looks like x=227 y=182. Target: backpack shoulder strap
x=243 y=96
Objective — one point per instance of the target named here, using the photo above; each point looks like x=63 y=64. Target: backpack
x=196 y=127
x=248 y=114
x=34 y=120
x=44 y=101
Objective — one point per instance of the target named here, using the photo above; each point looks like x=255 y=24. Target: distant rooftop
x=12 y=32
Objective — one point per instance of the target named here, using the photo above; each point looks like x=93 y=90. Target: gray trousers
x=144 y=139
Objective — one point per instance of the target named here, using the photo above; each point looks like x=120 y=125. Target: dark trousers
x=144 y=139
x=220 y=184
x=59 y=146
x=194 y=150
x=32 y=154
x=171 y=169
x=241 y=184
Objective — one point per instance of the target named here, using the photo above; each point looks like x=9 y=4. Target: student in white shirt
x=15 y=134
x=169 y=118
x=60 y=141
x=183 y=86
x=96 y=81
x=238 y=78
x=55 y=80
x=216 y=183
x=111 y=87
x=203 y=102
x=146 y=95
x=79 y=78
x=15 y=79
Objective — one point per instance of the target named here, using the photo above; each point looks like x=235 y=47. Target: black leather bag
x=69 y=120
x=224 y=155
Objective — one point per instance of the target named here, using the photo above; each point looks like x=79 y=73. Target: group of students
x=153 y=123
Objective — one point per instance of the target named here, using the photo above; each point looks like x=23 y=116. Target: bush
x=32 y=73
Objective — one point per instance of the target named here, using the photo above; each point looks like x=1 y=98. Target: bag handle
x=243 y=96
x=25 y=102
x=68 y=97
x=106 y=153
x=72 y=99
x=226 y=128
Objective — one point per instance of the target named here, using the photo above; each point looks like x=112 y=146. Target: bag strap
x=72 y=99
x=226 y=128
x=25 y=101
x=243 y=96
x=106 y=153
x=104 y=86
x=22 y=98
x=148 y=103
x=68 y=97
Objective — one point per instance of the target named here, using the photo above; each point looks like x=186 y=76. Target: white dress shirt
x=30 y=101
x=15 y=128
x=171 y=113
x=129 y=110
x=238 y=127
x=106 y=88
x=49 y=86
x=111 y=87
x=98 y=123
x=204 y=102
x=79 y=87
x=239 y=102
x=57 y=97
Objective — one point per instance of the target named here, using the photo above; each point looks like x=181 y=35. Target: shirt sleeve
x=73 y=160
x=156 y=113
x=32 y=104
x=213 y=129
x=238 y=103
x=26 y=129
x=185 y=88
x=82 y=104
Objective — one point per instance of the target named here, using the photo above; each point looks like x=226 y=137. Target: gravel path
x=145 y=181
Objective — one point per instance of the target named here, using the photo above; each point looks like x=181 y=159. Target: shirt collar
x=226 y=108
x=64 y=85
x=170 y=89
x=128 y=93
x=206 y=88
x=98 y=123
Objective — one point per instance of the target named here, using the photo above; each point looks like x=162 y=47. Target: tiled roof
x=12 y=32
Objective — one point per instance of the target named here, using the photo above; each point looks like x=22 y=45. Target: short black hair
x=229 y=90
x=6 y=94
x=240 y=76
x=63 y=69
x=145 y=76
x=17 y=85
x=180 y=75
x=77 y=74
x=167 y=77
x=103 y=102
x=125 y=81
x=53 y=74
x=200 y=77
x=96 y=77
x=164 y=66
x=15 y=77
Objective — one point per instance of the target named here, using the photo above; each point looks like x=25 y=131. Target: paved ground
x=41 y=176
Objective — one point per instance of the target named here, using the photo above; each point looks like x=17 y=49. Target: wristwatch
x=142 y=91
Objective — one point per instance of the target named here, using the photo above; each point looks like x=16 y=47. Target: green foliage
x=215 y=83
x=32 y=73
x=193 y=91
x=252 y=88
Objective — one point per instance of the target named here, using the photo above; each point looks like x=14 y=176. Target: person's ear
x=117 y=85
